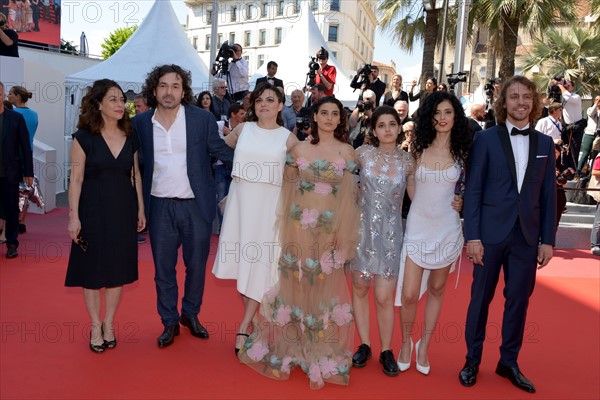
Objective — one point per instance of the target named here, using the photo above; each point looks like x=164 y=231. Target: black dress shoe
x=468 y=375
x=390 y=366
x=516 y=377
x=196 y=328
x=363 y=353
x=12 y=252
x=109 y=344
x=168 y=336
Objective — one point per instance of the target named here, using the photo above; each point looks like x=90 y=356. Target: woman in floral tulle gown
x=306 y=319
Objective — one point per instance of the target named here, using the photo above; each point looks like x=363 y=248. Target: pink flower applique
x=314 y=373
x=257 y=351
x=283 y=315
x=329 y=262
x=271 y=294
x=326 y=319
x=285 y=364
x=302 y=163
x=338 y=166
x=342 y=314
x=328 y=367
x=323 y=188
x=309 y=218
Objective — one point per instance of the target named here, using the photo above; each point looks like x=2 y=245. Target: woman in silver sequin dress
x=384 y=168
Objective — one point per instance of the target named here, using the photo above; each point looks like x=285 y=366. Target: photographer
x=326 y=75
x=492 y=89
x=360 y=118
x=590 y=132
x=573 y=117
x=551 y=125
x=296 y=118
x=231 y=67
x=367 y=77
x=9 y=39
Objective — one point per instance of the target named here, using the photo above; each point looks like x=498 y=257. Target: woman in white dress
x=248 y=249
x=433 y=237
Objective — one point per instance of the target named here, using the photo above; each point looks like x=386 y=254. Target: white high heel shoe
x=422 y=369
x=404 y=366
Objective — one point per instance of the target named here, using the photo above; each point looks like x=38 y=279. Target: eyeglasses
x=408 y=131
x=81 y=242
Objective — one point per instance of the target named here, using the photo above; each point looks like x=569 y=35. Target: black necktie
x=516 y=131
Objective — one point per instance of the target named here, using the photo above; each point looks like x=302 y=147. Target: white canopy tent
x=160 y=39
x=292 y=58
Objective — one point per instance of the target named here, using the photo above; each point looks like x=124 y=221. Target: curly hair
x=499 y=106
x=425 y=133
x=341 y=131
x=211 y=108
x=258 y=90
x=379 y=111
x=90 y=117
x=154 y=76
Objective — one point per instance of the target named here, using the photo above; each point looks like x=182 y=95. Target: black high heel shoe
x=109 y=344
x=97 y=348
x=239 y=334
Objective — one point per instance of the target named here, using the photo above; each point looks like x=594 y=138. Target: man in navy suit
x=509 y=210
x=271 y=71
x=178 y=140
x=16 y=162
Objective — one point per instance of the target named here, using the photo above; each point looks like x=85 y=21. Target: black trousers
x=9 y=196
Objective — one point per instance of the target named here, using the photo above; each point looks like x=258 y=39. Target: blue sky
x=98 y=18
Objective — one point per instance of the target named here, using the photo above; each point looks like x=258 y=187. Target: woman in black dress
x=105 y=207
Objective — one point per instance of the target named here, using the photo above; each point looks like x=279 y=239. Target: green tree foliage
x=115 y=40
x=68 y=47
x=572 y=52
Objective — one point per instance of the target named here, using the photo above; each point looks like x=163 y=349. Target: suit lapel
x=533 y=142
x=508 y=153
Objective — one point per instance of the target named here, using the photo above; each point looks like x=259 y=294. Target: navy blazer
x=492 y=200
x=203 y=141
x=17 y=155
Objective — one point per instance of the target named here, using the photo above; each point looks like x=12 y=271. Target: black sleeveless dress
x=108 y=214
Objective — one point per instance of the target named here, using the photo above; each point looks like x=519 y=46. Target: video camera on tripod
x=453 y=79
x=314 y=66
x=554 y=91
x=226 y=52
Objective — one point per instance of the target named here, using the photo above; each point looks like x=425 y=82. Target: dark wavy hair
x=258 y=90
x=379 y=111
x=154 y=76
x=199 y=101
x=425 y=133
x=341 y=131
x=536 y=107
x=22 y=93
x=90 y=117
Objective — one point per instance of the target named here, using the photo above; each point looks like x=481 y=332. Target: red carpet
x=44 y=338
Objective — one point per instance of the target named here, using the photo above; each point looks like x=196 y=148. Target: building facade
x=348 y=27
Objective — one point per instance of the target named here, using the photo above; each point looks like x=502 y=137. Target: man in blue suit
x=177 y=141
x=509 y=210
x=16 y=162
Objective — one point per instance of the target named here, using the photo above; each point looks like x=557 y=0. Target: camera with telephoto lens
x=554 y=91
x=313 y=67
x=453 y=79
x=364 y=106
x=222 y=60
x=565 y=176
x=302 y=123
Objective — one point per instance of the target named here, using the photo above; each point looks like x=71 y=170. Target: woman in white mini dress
x=248 y=248
x=433 y=237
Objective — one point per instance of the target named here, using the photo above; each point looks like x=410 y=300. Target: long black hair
x=341 y=131
x=460 y=136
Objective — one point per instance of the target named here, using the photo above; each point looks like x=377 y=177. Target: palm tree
x=573 y=53
x=409 y=24
x=509 y=15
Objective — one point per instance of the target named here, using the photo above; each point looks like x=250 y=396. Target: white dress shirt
x=549 y=126
x=572 y=107
x=170 y=179
x=520 y=149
